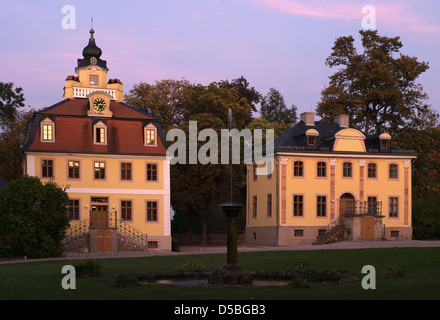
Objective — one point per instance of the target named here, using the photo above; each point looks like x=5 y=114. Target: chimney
x=342 y=120
x=308 y=118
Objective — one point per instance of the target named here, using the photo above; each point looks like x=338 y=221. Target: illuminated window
x=99 y=167
x=47 y=130
x=100 y=133
x=73 y=169
x=150 y=135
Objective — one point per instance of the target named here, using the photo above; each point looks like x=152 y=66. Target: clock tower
x=91 y=78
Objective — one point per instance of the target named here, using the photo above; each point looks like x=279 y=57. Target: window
x=47 y=132
x=125 y=171
x=394 y=206
x=150 y=136
x=254 y=207
x=73 y=169
x=99 y=170
x=298 y=233
x=372 y=170
x=298 y=169
x=311 y=141
x=47 y=168
x=126 y=210
x=151 y=211
x=269 y=205
x=321 y=169
x=153 y=244
x=93 y=79
x=384 y=144
x=298 y=206
x=347 y=170
x=321 y=206
x=393 y=171
x=100 y=135
x=151 y=172
x=74 y=209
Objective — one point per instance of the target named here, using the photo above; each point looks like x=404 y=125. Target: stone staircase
x=335 y=232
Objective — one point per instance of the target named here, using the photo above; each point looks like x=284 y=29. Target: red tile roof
x=74 y=130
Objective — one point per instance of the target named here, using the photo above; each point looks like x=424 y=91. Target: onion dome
x=92 y=54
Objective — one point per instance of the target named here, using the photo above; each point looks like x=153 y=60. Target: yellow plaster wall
x=310 y=186
x=97 y=188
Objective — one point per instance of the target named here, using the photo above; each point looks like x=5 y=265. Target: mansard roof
x=74 y=130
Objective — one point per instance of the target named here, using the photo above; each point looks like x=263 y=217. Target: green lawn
x=42 y=280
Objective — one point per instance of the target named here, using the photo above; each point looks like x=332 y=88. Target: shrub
x=193 y=265
x=89 y=268
x=301 y=265
x=396 y=271
x=299 y=283
x=125 y=280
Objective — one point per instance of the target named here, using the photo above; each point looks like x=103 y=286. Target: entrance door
x=99 y=216
x=367 y=228
x=103 y=241
x=346 y=205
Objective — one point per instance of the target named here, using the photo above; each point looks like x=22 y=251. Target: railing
x=354 y=208
x=133 y=234
x=76 y=231
x=106 y=220
x=82 y=92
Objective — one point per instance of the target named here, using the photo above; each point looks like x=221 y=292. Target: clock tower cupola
x=92 y=76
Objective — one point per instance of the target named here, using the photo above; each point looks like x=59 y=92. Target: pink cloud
x=392 y=15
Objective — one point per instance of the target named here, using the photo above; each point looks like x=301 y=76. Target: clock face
x=99 y=104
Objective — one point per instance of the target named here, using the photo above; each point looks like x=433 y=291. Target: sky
x=280 y=44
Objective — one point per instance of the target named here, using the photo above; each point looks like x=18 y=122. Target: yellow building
x=330 y=182
x=111 y=157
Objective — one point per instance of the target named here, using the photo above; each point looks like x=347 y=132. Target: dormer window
x=150 y=135
x=100 y=133
x=312 y=138
x=385 y=139
x=47 y=130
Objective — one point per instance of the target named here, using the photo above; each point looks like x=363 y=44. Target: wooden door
x=104 y=241
x=99 y=216
x=368 y=228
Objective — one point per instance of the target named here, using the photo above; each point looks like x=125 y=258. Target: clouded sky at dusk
x=272 y=43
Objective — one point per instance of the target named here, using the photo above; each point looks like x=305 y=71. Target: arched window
x=321 y=169
x=298 y=169
x=372 y=170
x=347 y=169
x=393 y=171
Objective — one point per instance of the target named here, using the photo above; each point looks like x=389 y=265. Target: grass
x=420 y=280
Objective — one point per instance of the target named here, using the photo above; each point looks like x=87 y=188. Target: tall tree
x=376 y=87
x=10 y=100
x=244 y=90
x=164 y=99
x=274 y=108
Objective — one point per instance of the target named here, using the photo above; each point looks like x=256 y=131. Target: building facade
x=330 y=182
x=110 y=156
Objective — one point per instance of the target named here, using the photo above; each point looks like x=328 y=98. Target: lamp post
x=232 y=272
